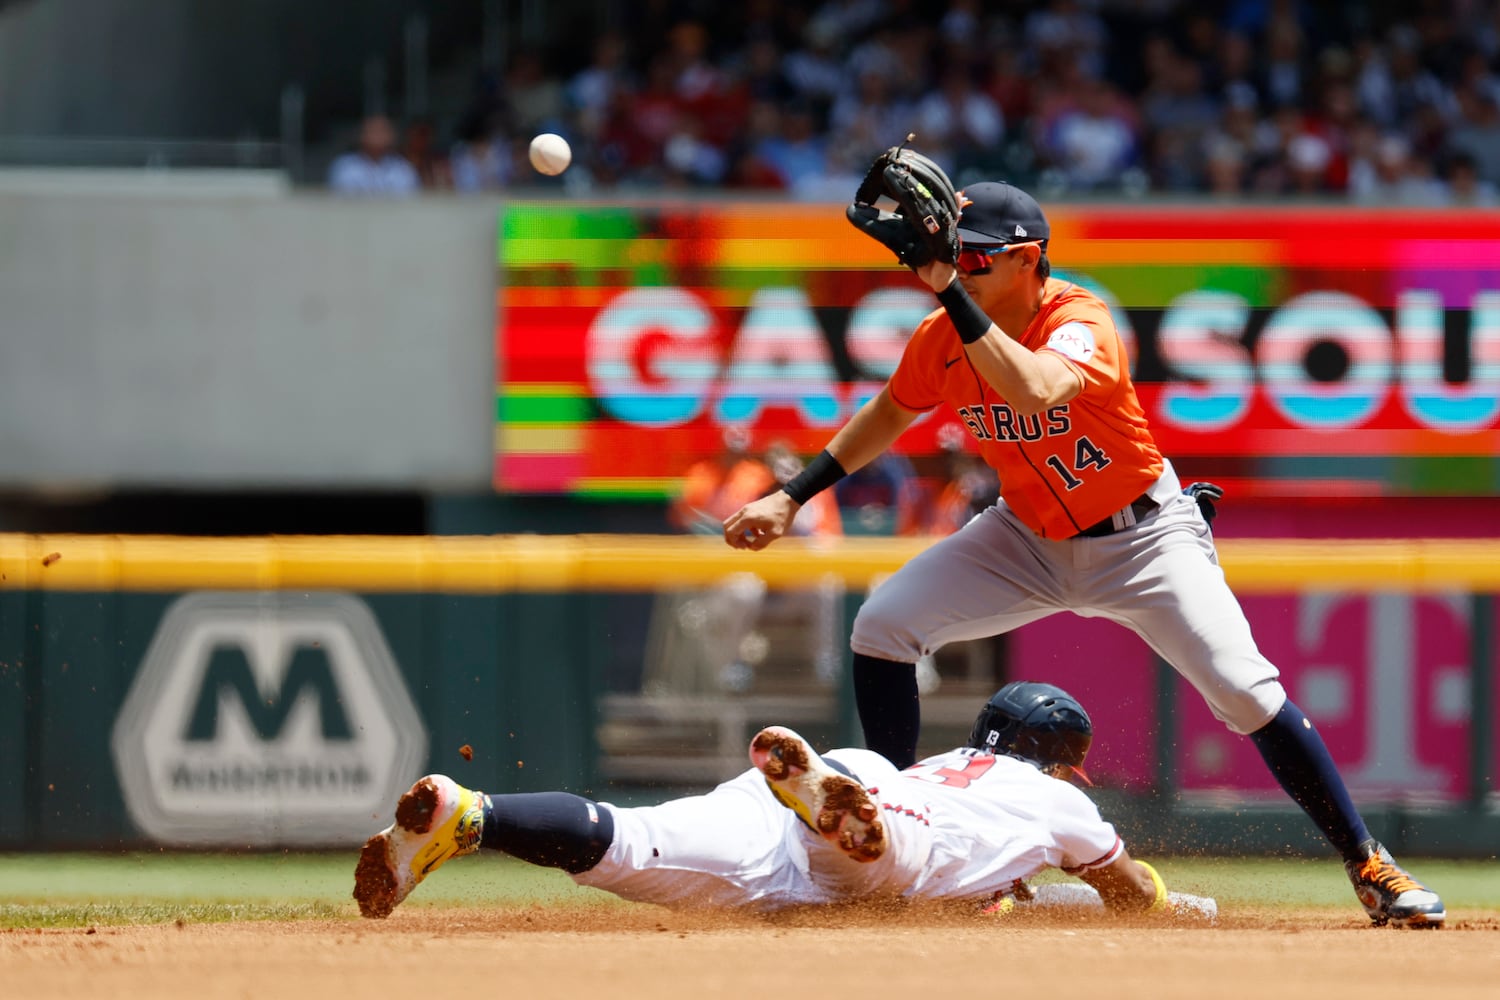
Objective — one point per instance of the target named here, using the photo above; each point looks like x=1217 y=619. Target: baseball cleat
x=436 y=819
x=832 y=805
x=1390 y=895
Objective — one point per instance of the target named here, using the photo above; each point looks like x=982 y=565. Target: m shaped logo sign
x=262 y=718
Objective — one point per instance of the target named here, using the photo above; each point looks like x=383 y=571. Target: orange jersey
x=1066 y=468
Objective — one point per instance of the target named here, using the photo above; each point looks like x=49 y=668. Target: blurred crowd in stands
x=1377 y=102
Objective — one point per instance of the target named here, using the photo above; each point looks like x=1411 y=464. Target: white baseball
x=550 y=153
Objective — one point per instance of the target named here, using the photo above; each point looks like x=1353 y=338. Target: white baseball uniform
x=961 y=825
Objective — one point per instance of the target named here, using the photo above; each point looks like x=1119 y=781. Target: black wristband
x=821 y=473
x=968 y=319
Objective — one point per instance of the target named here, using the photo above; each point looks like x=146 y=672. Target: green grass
x=77 y=890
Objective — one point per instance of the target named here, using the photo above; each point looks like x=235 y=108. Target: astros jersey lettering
x=1071 y=466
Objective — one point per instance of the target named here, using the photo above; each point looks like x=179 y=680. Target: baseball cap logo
x=1020 y=230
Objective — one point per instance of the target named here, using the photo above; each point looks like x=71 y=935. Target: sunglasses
x=976 y=260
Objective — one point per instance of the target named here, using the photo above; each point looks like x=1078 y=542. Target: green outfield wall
x=270 y=692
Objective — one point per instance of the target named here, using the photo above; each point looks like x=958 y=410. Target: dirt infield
x=644 y=951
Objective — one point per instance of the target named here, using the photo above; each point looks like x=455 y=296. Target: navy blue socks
x=1300 y=761
x=890 y=710
x=553 y=829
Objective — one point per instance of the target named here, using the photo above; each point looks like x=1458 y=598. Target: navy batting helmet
x=1038 y=722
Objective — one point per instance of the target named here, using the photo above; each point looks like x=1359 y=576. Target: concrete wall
x=266 y=341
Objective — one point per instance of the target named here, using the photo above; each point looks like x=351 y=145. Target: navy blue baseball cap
x=994 y=212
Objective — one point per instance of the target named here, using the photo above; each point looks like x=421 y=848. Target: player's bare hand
x=760 y=522
x=938 y=275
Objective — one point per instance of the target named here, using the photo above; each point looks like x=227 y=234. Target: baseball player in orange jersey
x=1091 y=519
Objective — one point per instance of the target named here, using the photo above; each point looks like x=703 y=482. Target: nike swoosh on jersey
x=952 y=361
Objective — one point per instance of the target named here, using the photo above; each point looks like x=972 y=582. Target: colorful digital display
x=1282 y=351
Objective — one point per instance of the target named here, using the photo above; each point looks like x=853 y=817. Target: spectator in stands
x=1225 y=161
x=1334 y=121
x=714 y=105
x=795 y=151
x=970 y=488
x=419 y=147
x=1203 y=45
x=815 y=71
x=1465 y=187
x=1478 y=132
x=1411 y=85
x=1477 y=74
x=590 y=91
x=1284 y=72
x=482 y=159
x=749 y=167
x=1307 y=157
x=1271 y=157
x=1235 y=76
x=960 y=24
x=1009 y=86
x=1364 y=149
x=374 y=168
x=1092 y=139
x=762 y=74
x=1395 y=178
x=1065 y=27
x=644 y=118
x=691 y=157
x=865 y=120
x=1178 y=114
x=1486 y=34
x=535 y=99
x=958 y=123
x=881 y=498
x=846 y=19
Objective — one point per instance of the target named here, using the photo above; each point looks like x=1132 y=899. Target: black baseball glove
x=924 y=227
x=1206 y=494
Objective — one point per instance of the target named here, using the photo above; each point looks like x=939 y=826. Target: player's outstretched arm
x=1128 y=885
x=869 y=432
x=1070 y=897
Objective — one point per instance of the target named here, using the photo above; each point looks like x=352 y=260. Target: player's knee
x=882 y=628
x=1245 y=710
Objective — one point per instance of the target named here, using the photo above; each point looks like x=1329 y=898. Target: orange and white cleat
x=1390 y=895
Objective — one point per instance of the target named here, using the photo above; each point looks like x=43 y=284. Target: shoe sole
x=375 y=884
x=1416 y=922
x=835 y=806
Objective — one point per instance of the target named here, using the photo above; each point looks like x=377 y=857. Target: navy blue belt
x=1140 y=508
